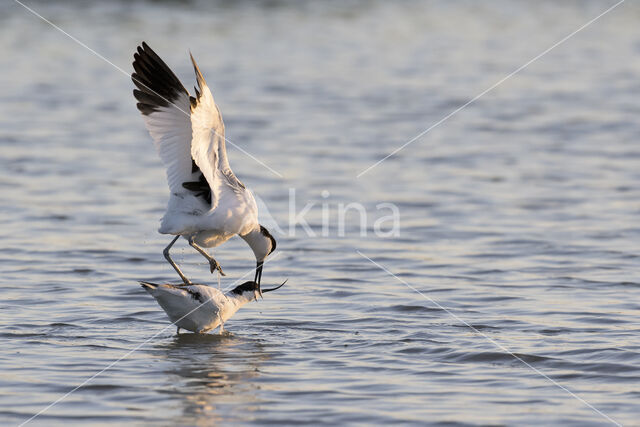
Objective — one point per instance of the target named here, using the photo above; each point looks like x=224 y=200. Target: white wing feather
x=165 y=106
x=170 y=129
x=208 y=147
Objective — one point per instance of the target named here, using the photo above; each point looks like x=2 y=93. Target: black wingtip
x=158 y=85
x=199 y=77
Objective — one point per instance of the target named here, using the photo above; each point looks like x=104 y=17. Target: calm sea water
x=519 y=215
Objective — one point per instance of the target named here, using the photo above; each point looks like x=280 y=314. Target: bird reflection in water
x=214 y=376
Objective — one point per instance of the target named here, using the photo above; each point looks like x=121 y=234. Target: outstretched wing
x=208 y=147
x=165 y=106
x=188 y=132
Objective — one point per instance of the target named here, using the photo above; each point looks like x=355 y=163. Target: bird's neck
x=239 y=300
x=255 y=240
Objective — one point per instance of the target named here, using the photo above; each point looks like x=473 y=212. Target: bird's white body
x=197 y=308
x=236 y=214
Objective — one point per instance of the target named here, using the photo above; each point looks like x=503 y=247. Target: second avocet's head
x=262 y=243
x=248 y=291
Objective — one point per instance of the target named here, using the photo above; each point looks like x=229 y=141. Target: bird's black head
x=249 y=286
x=253 y=288
x=266 y=233
x=267 y=244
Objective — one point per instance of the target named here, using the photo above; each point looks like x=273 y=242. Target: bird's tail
x=148 y=286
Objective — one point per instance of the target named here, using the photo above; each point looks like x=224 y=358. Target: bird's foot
x=213 y=266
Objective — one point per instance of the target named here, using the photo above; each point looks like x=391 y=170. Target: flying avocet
x=208 y=204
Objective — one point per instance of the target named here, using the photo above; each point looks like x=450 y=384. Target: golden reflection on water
x=214 y=374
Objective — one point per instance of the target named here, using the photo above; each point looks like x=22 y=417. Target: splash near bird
x=208 y=204
x=200 y=308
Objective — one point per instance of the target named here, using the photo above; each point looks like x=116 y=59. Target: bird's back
x=196 y=308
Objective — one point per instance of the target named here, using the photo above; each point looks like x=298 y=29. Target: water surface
x=519 y=215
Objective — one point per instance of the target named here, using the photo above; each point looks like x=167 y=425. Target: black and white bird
x=200 y=308
x=208 y=204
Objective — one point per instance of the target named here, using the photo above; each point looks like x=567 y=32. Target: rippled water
x=519 y=215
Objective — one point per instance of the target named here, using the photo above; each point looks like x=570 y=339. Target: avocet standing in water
x=200 y=308
x=208 y=204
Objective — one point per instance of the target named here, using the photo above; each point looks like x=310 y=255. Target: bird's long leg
x=221 y=324
x=173 y=264
x=213 y=264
